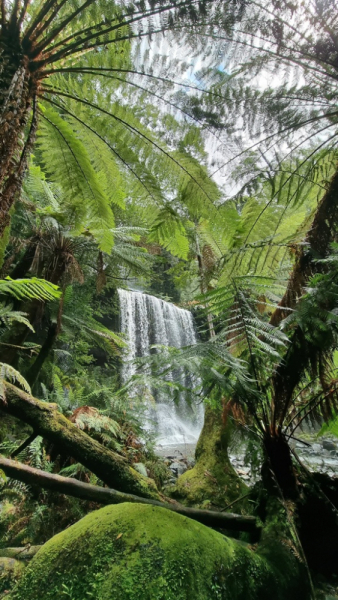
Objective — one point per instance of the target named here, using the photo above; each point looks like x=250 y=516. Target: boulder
x=140 y=468
x=328 y=445
x=10 y=571
x=178 y=468
x=143 y=552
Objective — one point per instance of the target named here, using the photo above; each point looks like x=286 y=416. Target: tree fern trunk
x=17 y=92
x=317 y=244
x=279 y=462
x=16 y=336
x=34 y=370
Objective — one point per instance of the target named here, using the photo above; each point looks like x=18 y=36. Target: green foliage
x=29 y=288
x=8 y=373
x=8 y=316
x=168 y=231
x=70 y=164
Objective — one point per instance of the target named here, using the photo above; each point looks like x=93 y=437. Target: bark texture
x=212 y=478
x=20 y=553
x=85 y=491
x=17 y=104
x=316 y=245
x=302 y=351
x=46 y=421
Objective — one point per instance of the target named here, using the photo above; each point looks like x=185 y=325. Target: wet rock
x=316 y=448
x=328 y=445
x=141 y=468
x=178 y=468
x=331 y=462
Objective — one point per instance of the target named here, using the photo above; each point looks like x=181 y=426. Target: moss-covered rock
x=10 y=571
x=142 y=552
x=213 y=478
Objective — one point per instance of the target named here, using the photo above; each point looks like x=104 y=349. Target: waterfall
x=146 y=320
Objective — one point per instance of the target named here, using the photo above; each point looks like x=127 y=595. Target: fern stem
x=76 y=46
x=24 y=445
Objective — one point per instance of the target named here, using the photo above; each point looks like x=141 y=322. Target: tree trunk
x=279 y=462
x=17 y=92
x=212 y=478
x=301 y=350
x=46 y=421
x=34 y=370
x=34 y=309
x=317 y=244
x=24 y=264
x=23 y=553
x=85 y=491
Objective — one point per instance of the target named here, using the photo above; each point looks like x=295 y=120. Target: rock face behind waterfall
x=138 y=552
x=147 y=321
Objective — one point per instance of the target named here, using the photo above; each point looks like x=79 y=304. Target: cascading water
x=146 y=320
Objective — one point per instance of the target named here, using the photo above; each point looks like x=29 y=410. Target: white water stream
x=146 y=320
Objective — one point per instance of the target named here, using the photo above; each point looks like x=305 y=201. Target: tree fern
x=8 y=316
x=8 y=373
x=79 y=180
x=169 y=232
x=29 y=288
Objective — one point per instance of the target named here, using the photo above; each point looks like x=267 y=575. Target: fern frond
x=8 y=373
x=29 y=288
x=8 y=316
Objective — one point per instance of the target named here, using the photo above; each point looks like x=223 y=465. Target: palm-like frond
x=8 y=316
x=168 y=231
x=29 y=288
x=95 y=332
x=79 y=180
x=8 y=373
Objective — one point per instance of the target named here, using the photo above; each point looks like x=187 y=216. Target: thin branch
x=23 y=12
x=55 y=32
x=70 y=150
x=24 y=445
x=14 y=14
x=44 y=24
x=46 y=7
x=86 y=491
x=161 y=98
x=133 y=72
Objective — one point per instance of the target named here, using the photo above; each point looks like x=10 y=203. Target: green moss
x=213 y=477
x=141 y=552
x=10 y=571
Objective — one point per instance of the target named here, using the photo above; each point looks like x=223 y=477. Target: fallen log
x=21 y=553
x=85 y=491
x=47 y=421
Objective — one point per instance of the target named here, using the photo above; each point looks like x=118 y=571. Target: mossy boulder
x=10 y=571
x=142 y=552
